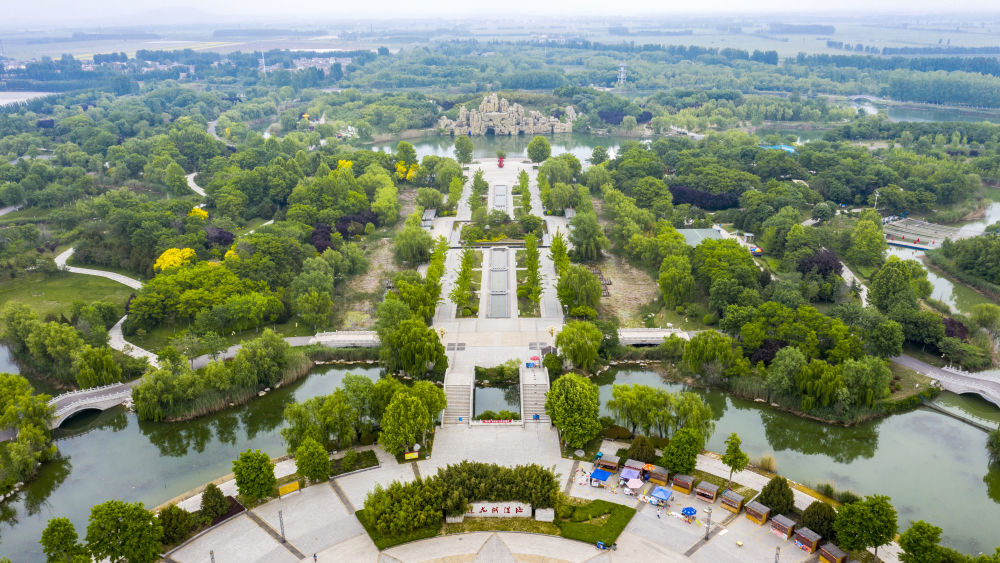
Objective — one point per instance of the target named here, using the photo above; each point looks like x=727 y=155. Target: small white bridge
x=648 y=336
x=955 y=380
x=95 y=398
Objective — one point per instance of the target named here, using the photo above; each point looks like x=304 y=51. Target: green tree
x=404 y=422
x=867 y=523
x=734 y=458
x=711 y=355
x=682 y=452
x=176 y=523
x=642 y=450
x=213 y=502
x=124 y=531
x=598 y=155
x=573 y=404
x=587 y=237
x=314 y=307
x=312 y=461
x=539 y=149
x=419 y=349
x=60 y=542
x=463 y=149
x=433 y=399
x=867 y=243
x=412 y=245
x=405 y=153
x=676 y=281
x=579 y=341
x=920 y=543
x=579 y=291
x=254 y=474
x=777 y=496
x=820 y=517
x=993 y=445
x=558 y=253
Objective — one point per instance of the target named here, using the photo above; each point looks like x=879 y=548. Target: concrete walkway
x=124 y=280
x=194 y=187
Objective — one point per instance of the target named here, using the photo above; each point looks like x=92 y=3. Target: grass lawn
x=597 y=520
x=910 y=382
x=502 y=524
x=923 y=355
x=56 y=294
x=589 y=450
x=366 y=459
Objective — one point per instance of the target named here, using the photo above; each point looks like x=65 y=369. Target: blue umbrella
x=689 y=511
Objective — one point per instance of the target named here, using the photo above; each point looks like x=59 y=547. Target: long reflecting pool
x=112 y=455
x=934 y=467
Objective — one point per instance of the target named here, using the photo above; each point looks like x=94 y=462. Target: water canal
x=580 y=145
x=111 y=455
x=934 y=467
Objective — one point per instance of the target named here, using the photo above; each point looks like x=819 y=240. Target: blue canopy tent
x=598 y=477
x=662 y=495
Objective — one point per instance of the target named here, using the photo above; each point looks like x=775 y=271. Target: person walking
x=659 y=510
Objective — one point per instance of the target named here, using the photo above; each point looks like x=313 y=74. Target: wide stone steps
x=459 y=404
x=533 y=402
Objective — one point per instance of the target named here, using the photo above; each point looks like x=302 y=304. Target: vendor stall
x=782 y=526
x=830 y=553
x=632 y=486
x=660 y=496
x=656 y=474
x=599 y=477
x=757 y=512
x=634 y=464
x=732 y=501
x=683 y=483
x=806 y=540
x=706 y=491
x=629 y=473
x=607 y=462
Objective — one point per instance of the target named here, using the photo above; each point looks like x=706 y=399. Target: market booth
x=656 y=474
x=806 y=540
x=732 y=501
x=757 y=512
x=607 y=462
x=706 y=491
x=599 y=477
x=683 y=483
x=631 y=470
x=830 y=553
x=661 y=496
x=782 y=526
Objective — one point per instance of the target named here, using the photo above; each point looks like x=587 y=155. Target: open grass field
x=56 y=294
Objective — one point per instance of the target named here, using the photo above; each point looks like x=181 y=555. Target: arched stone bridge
x=96 y=398
x=955 y=381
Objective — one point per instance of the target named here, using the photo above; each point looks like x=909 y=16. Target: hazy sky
x=304 y=13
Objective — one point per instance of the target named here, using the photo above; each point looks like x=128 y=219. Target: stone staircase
x=533 y=402
x=459 y=404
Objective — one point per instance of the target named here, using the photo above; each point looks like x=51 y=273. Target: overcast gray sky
x=41 y=13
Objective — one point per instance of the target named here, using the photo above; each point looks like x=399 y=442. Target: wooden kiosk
x=731 y=501
x=683 y=483
x=830 y=553
x=783 y=526
x=607 y=462
x=657 y=474
x=757 y=512
x=634 y=464
x=706 y=491
x=806 y=540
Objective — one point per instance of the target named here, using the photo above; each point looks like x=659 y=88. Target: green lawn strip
x=55 y=294
x=923 y=355
x=366 y=459
x=122 y=271
x=502 y=525
x=589 y=450
x=910 y=382
x=745 y=491
x=597 y=520
x=424 y=453
x=385 y=541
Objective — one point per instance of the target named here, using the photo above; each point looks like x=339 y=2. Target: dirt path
x=630 y=289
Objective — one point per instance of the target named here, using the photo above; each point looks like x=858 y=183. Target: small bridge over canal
x=68 y=404
x=954 y=380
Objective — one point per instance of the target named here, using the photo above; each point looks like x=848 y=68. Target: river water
x=111 y=455
x=580 y=145
x=934 y=467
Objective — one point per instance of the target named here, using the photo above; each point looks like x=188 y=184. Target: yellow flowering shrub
x=231 y=255
x=173 y=258
x=412 y=172
x=198 y=212
x=344 y=164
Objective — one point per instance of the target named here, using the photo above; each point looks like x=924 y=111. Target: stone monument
x=496 y=116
